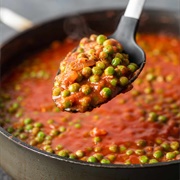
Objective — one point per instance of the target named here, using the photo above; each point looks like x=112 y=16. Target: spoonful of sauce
x=100 y=67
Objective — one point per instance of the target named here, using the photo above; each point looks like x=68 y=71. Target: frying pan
x=24 y=162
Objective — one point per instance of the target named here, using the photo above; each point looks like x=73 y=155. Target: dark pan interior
x=24 y=162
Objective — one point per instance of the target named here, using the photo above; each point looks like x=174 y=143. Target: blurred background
x=42 y=10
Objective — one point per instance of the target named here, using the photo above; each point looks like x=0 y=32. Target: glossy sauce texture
x=141 y=126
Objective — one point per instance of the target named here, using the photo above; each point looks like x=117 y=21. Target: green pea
x=85 y=101
x=67 y=104
x=129 y=152
x=56 y=84
x=93 y=37
x=126 y=62
x=92 y=159
x=87 y=71
x=98 y=156
x=132 y=67
x=141 y=143
x=119 y=55
x=50 y=150
x=79 y=153
x=105 y=161
x=159 y=141
x=143 y=159
x=54 y=132
x=56 y=109
x=48 y=137
x=106 y=92
x=150 y=77
x=72 y=156
x=59 y=147
x=157 y=108
x=152 y=161
x=108 y=49
x=103 y=55
x=152 y=116
x=79 y=78
x=108 y=42
x=97 y=139
x=109 y=71
x=100 y=39
x=139 y=151
x=122 y=148
x=113 y=148
x=123 y=81
x=15 y=106
x=127 y=162
x=62 y=129
x=38 y=124
x=158 y=154
x=166 y=146
x=118 y=72
x=29 y=127
x=97 y=149
x=81 y=55
x=10 y=129
x=176 y=152
x=50 y=121
x=77 y=125
x=148 y=90
x=113 y=82
x=47 y=142
x=86 y=89
x=174 y=145
x=23 y=136
x=27 y=121
x=80 y=50
x=35 y=130
x=56 y=91
x=74 y=87
x=62 y=67
x=123 y=69
x=111 y=157
x=100 y=65
x=162 y=118
x=65 y=93
x=170 y=155
x=41 y=134
x=116 y=61
x=46 y=147
x=19 y=114
x=96 y=70
x=63 y=153
x=94 y=78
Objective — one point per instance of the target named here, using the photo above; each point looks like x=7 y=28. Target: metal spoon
x=125 y=34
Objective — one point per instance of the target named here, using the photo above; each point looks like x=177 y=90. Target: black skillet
x=24 y=162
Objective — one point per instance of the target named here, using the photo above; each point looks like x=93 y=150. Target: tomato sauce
x=140 y=126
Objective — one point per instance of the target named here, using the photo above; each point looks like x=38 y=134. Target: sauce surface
x=141 y=126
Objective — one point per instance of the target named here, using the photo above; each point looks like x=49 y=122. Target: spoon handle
x=134 y=8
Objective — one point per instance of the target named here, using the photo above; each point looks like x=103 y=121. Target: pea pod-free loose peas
x=97 y=68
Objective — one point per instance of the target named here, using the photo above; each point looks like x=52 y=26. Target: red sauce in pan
x=141 y=126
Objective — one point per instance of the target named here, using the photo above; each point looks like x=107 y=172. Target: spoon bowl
x=125 y=35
